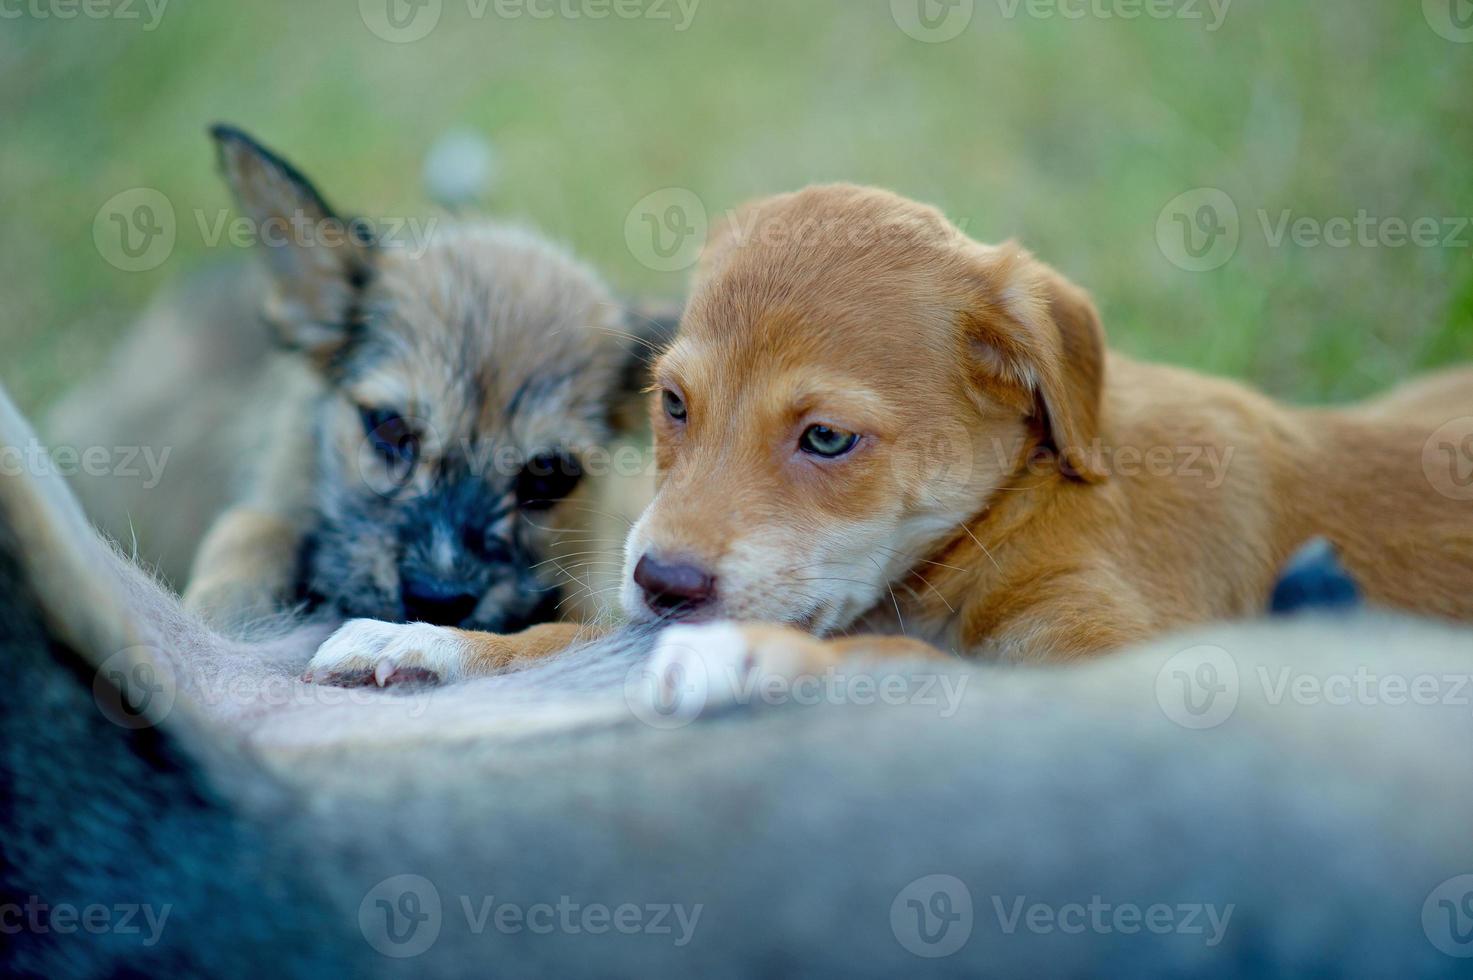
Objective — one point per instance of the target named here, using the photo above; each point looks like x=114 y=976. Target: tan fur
x=994 y=356
x=1019 y=493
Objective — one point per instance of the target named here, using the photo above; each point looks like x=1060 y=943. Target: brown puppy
x=870 y=423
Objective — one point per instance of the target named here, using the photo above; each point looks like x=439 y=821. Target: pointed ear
x=318 y=263
x=1040 y=335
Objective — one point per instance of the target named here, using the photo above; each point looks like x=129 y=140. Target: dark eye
x=392 y=436
x=674 y=406
x=820 y=440
x=546 y=479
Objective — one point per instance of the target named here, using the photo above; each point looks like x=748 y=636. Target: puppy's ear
x=1039 y=336
x=318 y=262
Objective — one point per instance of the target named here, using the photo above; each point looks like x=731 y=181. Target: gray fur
x=497 y=344
x=1326 y=828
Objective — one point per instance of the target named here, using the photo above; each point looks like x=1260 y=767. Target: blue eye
x=830 y=443
x=674 y=406
x=391 y=435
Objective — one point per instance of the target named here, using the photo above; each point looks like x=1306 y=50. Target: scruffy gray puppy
x=413 y=445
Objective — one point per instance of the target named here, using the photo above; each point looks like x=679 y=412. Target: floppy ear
x=1040 y=334
x=318 y=262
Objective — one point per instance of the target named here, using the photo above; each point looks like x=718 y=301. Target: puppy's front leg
x=724 y=662
x=366 y=651
x=244 y=569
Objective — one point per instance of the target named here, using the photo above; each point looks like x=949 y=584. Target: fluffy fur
x=383 y=463
x=268 y=824
x=1017 y=492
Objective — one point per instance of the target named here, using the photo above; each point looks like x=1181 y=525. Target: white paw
x=366 y=651
x=694 y=667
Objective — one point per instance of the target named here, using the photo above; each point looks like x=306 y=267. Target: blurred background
x=1277 y=191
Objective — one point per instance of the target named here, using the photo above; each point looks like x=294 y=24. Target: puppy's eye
x=546 y=479
x=674 y=406
x=392 y=436
x=821 y=440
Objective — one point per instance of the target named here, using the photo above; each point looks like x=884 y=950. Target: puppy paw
x=366 y=652
x=699 y=667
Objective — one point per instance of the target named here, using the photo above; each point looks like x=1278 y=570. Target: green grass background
x=1070 y=135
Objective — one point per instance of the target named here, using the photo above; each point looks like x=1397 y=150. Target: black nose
x=440 y=603
x=678 y=585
